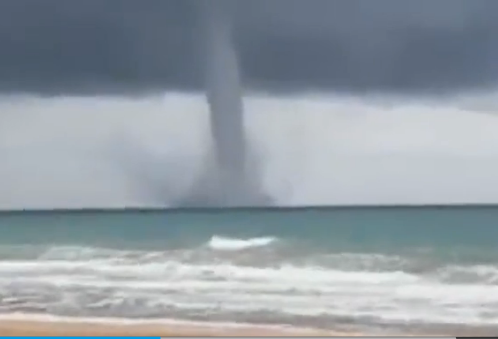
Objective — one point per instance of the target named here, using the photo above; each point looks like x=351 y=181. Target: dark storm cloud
x=374 y=44
x=92 y=45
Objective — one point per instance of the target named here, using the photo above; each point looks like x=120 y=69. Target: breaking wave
x=204 y=283
x=231 y=244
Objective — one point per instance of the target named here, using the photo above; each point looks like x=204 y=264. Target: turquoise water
x=328 y=267
x=448 y=231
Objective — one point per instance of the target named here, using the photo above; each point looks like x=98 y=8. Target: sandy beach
x=89 y=328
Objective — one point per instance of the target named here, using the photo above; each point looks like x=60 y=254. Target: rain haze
x=345 y=102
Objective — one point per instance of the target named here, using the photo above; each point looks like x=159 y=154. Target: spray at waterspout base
x=221 y=187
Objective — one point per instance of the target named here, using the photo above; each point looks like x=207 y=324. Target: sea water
x=416 y=269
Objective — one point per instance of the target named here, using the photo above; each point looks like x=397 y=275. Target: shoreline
x=54 y=327
x=40 y=327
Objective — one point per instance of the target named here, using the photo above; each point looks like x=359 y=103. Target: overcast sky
x=396 y=45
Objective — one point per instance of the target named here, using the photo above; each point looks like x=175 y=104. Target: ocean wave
x=469 y=274
x=206 y=281
x=225 y=291
x=255 y=254
x=234 y=244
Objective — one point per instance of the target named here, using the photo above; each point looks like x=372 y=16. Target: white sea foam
x=141 y=284
x=233 y=244
x=314 y=149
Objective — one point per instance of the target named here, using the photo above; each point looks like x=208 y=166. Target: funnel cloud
x=230 y=177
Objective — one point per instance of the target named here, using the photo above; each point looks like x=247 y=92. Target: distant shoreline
x=269 y=209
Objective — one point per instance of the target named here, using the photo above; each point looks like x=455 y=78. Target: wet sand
x=88 y=328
